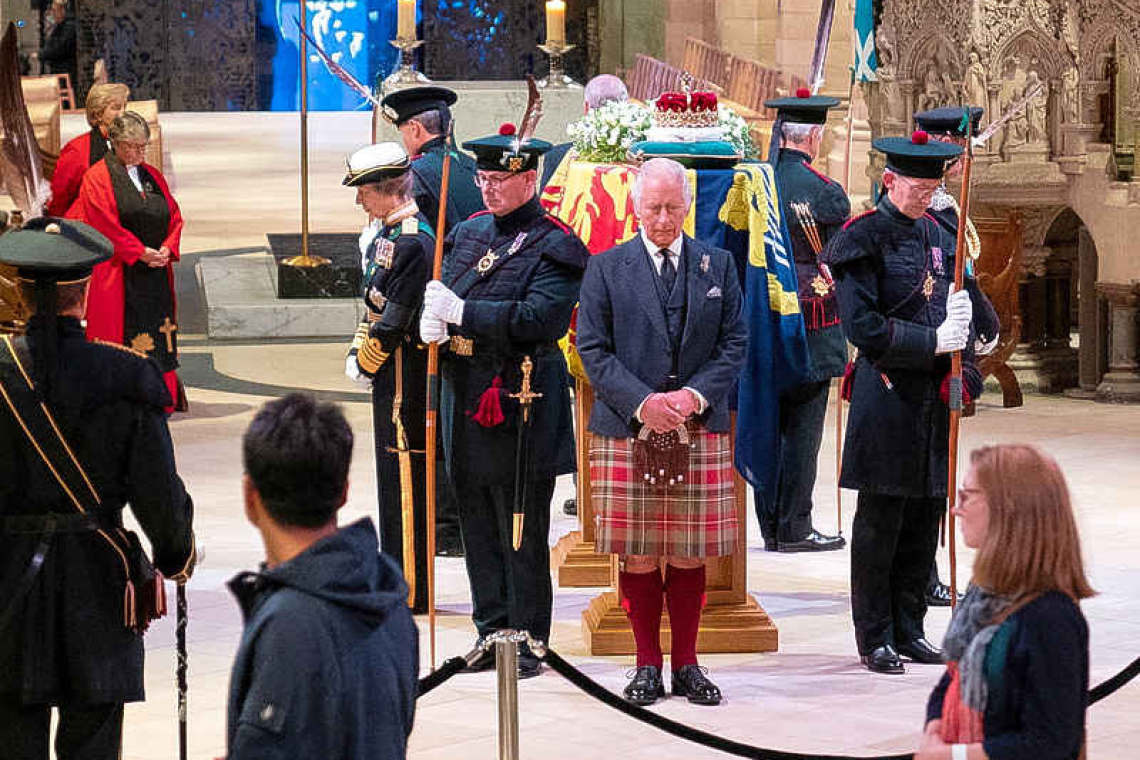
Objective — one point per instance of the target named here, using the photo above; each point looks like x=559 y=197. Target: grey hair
x=665 y=168
x=800 y=133
x=432 y=121
x=129 y=126
x=397 y=187
x=604 y=88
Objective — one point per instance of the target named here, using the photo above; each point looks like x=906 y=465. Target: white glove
x=958 y=305
x=432 y=329
x=952 y=336
x=353 y=373
x=981 y=348
x=441 y=303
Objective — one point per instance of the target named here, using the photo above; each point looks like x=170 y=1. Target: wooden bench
x=707 y=63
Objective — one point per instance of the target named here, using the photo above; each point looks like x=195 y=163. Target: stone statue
x=891 y=105
x=1071 y=95
x=976 y=93
x=1035 y=131
x=1016 y=128
x=931 y=95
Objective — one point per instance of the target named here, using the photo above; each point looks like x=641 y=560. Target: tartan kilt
x=693 y=519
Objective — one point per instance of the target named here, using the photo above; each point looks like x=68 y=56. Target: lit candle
x=406 y=20
x=555 y=21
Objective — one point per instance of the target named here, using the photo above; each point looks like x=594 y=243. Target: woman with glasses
x=894 y=278
x=131 y=299
x=104 y=103
x=1017 y=649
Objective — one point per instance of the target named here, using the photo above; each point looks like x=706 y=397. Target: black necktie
x=668 y=271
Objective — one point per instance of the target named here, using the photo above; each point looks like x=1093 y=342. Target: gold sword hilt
x=525 y=396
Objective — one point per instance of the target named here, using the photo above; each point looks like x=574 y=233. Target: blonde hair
x=102 y=95
x=1032 y=545
x=127 y=126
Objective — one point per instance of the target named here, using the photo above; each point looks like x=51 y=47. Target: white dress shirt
x=657 y=257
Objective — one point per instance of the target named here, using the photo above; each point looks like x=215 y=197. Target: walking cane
x=433 y=410
x=955 y=389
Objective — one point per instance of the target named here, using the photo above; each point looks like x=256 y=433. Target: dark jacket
x=800 y=183
x=884 y=263
x=463 y=198
x=66 y=642
x=1038 y=683
x=59 y=52
x=520 y=307
x=328 y=659
x=624 y=340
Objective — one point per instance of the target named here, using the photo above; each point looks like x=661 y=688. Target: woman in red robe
x=104 y=103
x=131 y=297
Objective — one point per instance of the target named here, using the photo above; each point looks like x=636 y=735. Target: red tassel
x=490 y=411
x=848 y=382
x=944 y=391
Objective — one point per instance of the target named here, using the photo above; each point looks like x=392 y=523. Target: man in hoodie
x=328 y=660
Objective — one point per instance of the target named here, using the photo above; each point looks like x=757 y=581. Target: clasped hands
x=663 y=412
x=155 y=258
x=441 y=308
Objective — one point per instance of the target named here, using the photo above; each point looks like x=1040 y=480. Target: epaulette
x=410 y=226
x=853 y=219
x=119 y=347
x=819 y=174
x=478 y=213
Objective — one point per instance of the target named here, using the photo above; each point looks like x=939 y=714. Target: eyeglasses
x=920 y=185
x=493 y=180
x=134 y=145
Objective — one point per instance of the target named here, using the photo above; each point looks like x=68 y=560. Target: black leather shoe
x=485 y=661
x=771 y=546
x=570 y=507
x=529 y=665
x=883 y=659
x=814 y=542
x=692 y=683
x=645 y=687
x=938 y=595
x=452 y=547
x=921 y=650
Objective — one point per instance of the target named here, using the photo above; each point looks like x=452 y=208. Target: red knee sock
x=685 y=595
x=643 y=598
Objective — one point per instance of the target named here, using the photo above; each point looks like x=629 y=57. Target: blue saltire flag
x=777 y=358
x=865 y=60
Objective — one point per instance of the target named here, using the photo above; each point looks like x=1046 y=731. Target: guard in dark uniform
x=73 y=590
x=510 y=282
x=814 y=207
x=396 y=269
x=894 y=270
x=948 y=125
x=423 y=116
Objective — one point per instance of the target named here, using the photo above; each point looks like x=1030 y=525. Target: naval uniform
x=893 y=274
x=787 y=517
x=519 y=277
x=64 y=642
x=397 y=267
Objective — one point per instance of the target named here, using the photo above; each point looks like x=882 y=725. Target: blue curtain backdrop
x=354 y=32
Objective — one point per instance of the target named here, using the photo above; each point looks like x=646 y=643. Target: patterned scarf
x=966 y=645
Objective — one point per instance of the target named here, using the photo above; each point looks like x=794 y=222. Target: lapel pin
x=705 y=263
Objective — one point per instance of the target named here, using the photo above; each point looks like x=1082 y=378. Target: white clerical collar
x=655 y=250
x=133 y=173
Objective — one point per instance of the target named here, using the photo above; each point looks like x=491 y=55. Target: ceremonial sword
x=522 y=455
x=407 y=484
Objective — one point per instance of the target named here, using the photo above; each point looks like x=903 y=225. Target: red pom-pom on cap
x=507 y=129
x=920 y=137
x=803 y=92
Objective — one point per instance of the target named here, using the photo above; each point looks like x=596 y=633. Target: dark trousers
x=509 y=589
x=787 y=517
x=87 y=732
x=893 y=540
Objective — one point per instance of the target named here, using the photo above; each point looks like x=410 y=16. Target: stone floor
x=235 y=176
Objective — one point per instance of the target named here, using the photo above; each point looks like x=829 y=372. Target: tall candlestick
x=406 y=20
x=555 y=21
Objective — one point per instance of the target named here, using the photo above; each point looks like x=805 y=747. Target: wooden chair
x=42 y=98
x=67 y=100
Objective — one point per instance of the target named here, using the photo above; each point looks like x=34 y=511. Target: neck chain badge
x=484 y=264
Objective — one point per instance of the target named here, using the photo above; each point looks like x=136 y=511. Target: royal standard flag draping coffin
x=777 y=358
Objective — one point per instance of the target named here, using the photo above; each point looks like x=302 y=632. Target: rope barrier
x=597 y=691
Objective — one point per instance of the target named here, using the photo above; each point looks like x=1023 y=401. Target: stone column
x=1090 y=334
x=1122 y=382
